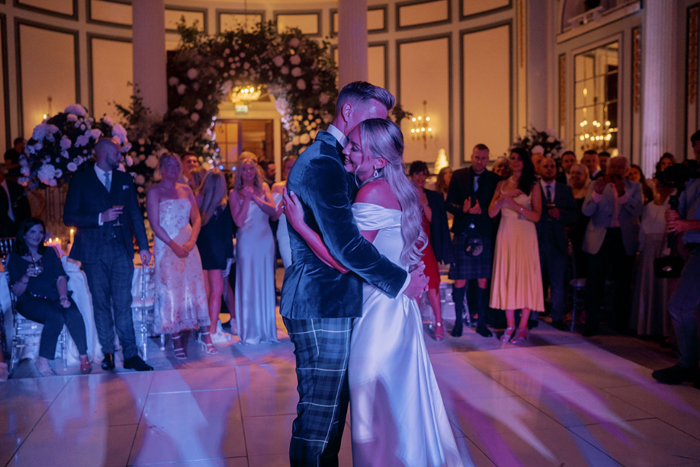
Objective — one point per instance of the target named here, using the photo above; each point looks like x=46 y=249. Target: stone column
x=149 y=54
x=352 y=41
x=658 y=82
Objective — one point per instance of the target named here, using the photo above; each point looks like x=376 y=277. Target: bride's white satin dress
x=398 y=417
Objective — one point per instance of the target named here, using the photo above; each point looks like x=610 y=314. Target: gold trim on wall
x=636 y=69
x=562 y=90
x=693 y=54
x=521 y=33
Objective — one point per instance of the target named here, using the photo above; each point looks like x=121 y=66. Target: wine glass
x=38 y=267
x=117 y=223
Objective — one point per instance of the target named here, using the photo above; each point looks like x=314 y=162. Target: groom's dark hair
x=363 y=91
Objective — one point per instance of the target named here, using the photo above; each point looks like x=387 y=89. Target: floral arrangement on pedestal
x=545 y=142
x=61 y=144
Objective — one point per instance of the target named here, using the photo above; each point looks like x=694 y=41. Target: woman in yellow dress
x=517 y=278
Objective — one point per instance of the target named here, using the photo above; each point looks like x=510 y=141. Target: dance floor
x=557 y=400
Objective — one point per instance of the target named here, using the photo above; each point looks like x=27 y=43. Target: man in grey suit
x=559 y=211
x=102 y=204
x=614 y=205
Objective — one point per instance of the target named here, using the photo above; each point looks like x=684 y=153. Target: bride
x=397 y=413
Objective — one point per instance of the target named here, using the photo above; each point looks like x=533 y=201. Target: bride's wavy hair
x=381 y=138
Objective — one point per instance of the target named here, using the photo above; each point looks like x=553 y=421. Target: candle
x=72 y=233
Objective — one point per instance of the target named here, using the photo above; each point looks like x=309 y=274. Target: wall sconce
x=421 y=127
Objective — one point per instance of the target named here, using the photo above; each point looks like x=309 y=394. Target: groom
x=318 y=302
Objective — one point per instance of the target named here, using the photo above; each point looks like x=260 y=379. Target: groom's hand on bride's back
x=419 y=282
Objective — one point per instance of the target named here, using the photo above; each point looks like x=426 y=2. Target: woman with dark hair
x=636 y=175
x=435 y=228
x=40 y=284
x=442 y=184
x=517 y=278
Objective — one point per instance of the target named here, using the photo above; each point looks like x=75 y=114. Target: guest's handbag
x=473 y=241
x=668 y=267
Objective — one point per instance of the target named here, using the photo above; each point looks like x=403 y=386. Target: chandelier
x=596 y=134
x=421 y=127
x=245 y=94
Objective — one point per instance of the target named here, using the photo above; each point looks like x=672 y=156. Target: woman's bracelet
x=63 y=297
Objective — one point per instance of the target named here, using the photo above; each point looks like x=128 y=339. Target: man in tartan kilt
x=319 y=304
x=468 y=198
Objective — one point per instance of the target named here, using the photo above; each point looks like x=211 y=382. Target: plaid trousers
x=322 y=349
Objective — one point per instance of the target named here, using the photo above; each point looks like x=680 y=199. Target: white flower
x=82 y=140
x=173 y=81
x=65 y=154
x=295 y=59
x=59 y=173
x=305 y=138
x=152 y=161
x=246 y=65
x=72 y=118
x=39 y=132
x=278 y=61
x=119 y=132
x=47 y=173
x=181 y=89
x=313 y=133
x=195 y=86
x=24 y=171
x=296 y=72
x=284 y=70
x=537 y=150
x=194 y=117
x=180 y=110
x=296 y=141
x=52 y=129
x=301 y=84
x=294 y=42
x=192 y=73
x=108 y=121
x=242 y=54
x=71 y=167
x=323 y=98
x=199 y=104
x=142 y=141
x=550 y=139
x=140 y=189
x=76 y=109
x=95 y=134
x=287 y=147
x=139 y=179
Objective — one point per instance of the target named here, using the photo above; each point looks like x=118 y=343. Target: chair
x=577 y=285
x=143 y=306
x=5 y=247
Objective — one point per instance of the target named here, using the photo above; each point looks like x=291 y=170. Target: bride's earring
x=375 y=174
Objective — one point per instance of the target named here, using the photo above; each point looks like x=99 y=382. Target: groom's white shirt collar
x=342 y=139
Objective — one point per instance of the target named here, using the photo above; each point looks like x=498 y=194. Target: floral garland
x=63 y=143
x=544 y=142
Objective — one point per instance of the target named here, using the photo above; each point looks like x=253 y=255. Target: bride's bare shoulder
x=378 y=192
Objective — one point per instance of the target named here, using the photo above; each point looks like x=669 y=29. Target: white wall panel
x=307 y=23
x=64 y=7
x=474 y=7
x=112 y=70
x=486 y=70
x=232 y=21
x=110 y=12
x=423 y=13
x=173 y=17
x=376 y=65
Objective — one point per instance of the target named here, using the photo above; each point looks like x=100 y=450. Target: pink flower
x=301 y=84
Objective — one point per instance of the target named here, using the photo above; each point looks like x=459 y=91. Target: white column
x=352 y=41
x=149 y=54
x=658 y=82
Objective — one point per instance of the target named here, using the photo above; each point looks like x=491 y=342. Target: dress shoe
x=456 y=330
x=676 y=375
x=483 y=331
x=85 y=367
x=559 y=324
x=108 y=362
x=136 y=363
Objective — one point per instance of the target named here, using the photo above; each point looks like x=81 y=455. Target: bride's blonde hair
x=381 y=138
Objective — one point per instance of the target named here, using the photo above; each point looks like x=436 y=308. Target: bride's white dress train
x=398 y=417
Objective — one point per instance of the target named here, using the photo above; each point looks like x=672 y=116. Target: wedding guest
x=537 y=158
x=517 y=278
x=269 y=171
x=590 y=160
x=568 y=159
x=189 y=163
x=12 y=158
x=195 y=178
x=282 y=228
x=215 y=243
x=611 y=241
x=579 y=182
x=40 y=284
x=666 y=160
x=102 y=204
x=501 y=167
x=650 y=315
x=558 y=213
x=181 y=300
x=637 y=176
x=252 y=207
x=432 y=212
x=442 y=184
x=603 y=159
x=470 y=192
x=14 y=205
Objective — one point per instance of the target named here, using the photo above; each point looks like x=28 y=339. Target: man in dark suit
x=468 y=198
x=559 y=211
x=102 y=205
x=12 y=158
x=590 y=160
x=614 y=205
x=319 y=303
x=14 y=206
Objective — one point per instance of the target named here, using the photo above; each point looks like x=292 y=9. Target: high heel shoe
x=207 y=347
x=44 y=367
x=439 y=331
x=178 y=352
x=85 y=367
x=507 y=335
x=520 y=336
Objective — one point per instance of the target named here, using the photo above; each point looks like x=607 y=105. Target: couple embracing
x=348 y=299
